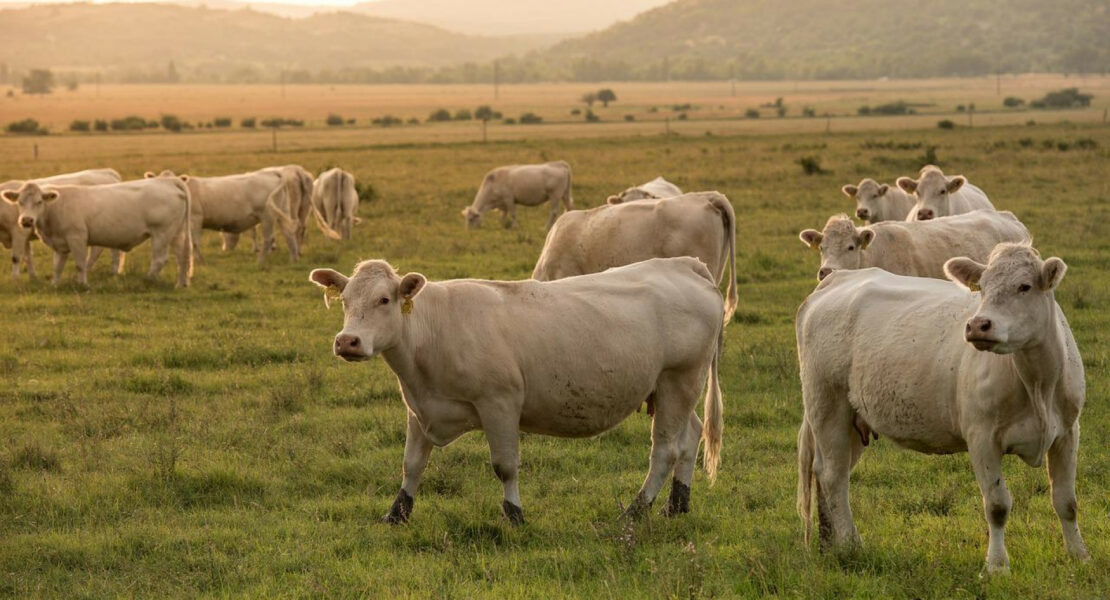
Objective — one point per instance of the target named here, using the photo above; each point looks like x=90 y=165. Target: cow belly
x=570 y=408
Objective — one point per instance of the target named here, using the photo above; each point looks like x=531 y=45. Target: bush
x=510 y=121
x=171 y=123
x=131 y=123
x=811 y=165
x=681 y=107
x=100 y=125
x=413 y=121
x=387 y=121
x=334 y=120
x=809 y=111
x=682 y=116
x=574 y=112
x=26 y=127
x=591 y=117
x=629 y=118
x=79 y=125
x=751 y=113
x=222 y=122
x=863 y=110
x=946 y=124
x=439 y=115
x=279 y=122
x=463 y=115
x=1066 y=98
x=1012 y=102
x=781 y=111
x=530 y=118
x=605 y=96
x=247 y=123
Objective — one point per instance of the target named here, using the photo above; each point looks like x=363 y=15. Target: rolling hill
x=501 y=17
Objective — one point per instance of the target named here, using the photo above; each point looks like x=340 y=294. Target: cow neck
x=1039 y=366
x=408 y=358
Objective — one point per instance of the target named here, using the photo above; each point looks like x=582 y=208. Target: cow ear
x=811 y=237
x=149 y=175
x=883 y=189
x=614 y=199
x=331 y=280
x=411 y=284
x=866 y=236
x=965 y=272
x=50 y=195
x=955 y=184
x=1052 y=273
x=908 y=185
x=11 y=196
x=850 y=191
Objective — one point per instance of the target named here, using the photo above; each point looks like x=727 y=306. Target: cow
x=653 y=190
x=236 y=203
x=298 y=189
x=19 y=239
x=916 y=248
x=702 y=225
x=939 y=369
x=877 y=202
x=527 y=185
x=567 y=358
x=936 y=195
x=121 y=216
x=335 y=203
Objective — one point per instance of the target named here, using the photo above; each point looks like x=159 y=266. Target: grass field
x=205 y=443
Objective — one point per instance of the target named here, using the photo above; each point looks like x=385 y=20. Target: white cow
x=653 y=190
x=568 y=358
x=877 y=202
x=527 y=185
x=335 y=203
x=917 y=248
x=702 y=225
x=236 y=203
x=298 y=190
x=936 y=195
x=940 y=369
x=19 y=239
x=69 y=219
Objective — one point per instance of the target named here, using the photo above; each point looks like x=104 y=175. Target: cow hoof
x=400 y=511
x=512 y=512
x=636 y=510
x=679 y=502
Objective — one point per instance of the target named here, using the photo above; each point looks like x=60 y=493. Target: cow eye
x=383 y=301
x=850 y=248
x=1025 y=287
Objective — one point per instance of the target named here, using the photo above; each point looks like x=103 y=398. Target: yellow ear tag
x=406 y=306
x=331 y=293
x=974 y=286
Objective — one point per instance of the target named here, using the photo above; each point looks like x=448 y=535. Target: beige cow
x=939 y=369
x=567 y=358
x=936 y=195
x=653 y=190
x=236 y=203
x=917 y=248
x=121 y=216
x=19 y=239
x=527 y=185
x=702 y=225
x=298 y=190
x=877 y=202
x=335 y=203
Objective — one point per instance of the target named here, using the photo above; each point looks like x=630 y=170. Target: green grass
x=205 y=443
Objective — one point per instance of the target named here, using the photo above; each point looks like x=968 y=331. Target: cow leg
x=80 y=252
x=418 y=448
x=27 y=256
x=15 y=264
x=59 y=264
x=1061 y=472
x=159 y=254
x=675 y=397
x=290 y=236
x=119 y=260
x=267 y=238
x=196 y=223
x=231 y=240
x=502 y=429
x=94 y=255
x=508 y=216
x=554 y=214
x=679 y=502
x=833 y=434
x=986 y=461
x=183 y=253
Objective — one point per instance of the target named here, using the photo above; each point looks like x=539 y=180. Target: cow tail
x=321 y=221
x=712 y=431
x=568 y=201
x=806 y=457
x=285 y=220
x=728 y=217
x=187 y=235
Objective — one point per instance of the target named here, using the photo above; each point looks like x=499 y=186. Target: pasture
x=205 y=443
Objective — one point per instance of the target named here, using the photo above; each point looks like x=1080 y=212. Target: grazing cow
x=19 y=239
x=877 y=202
x=527 y=185
x=940 y=369
x=936 y=195
x=335 y=203
x=236 y=203
x=653 y=190
x=568 y=358
x=121 y=216
x=916 y=248
x=298 y=189
x=702 y=225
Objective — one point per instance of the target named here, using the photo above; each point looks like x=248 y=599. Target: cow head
x=1016 y=304
x=841 y=244
x=31 y=200
x=869 y=196
x=932 y=191
x=630 y=195
x=473 y=217
x=375 y=303
x=166 y=173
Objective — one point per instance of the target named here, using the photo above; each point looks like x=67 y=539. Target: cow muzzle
x=823 y=273
x=979 y=332
x=350 y=348
x=27 y=222
x=863 y=214
x=926 y=214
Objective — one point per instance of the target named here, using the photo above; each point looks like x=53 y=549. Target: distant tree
x=809 y=111
x=605 y=96
x=79 y=125
x=531 y=118
x=247 y=123
x=39 y=81
x=334 y=120
x=222 y=121
x=1012 y=102
x=172 y=75
x=463 y=115
x=589 y=99
x=781 y=110
x=591 y=117
x=483 y=113
x=26 y=126
x=171 y=123
x=440 y=115
x=751 y=113
x=100 y=125
x=946 y=124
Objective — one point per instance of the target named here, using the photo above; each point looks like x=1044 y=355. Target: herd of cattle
x=934 y=325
